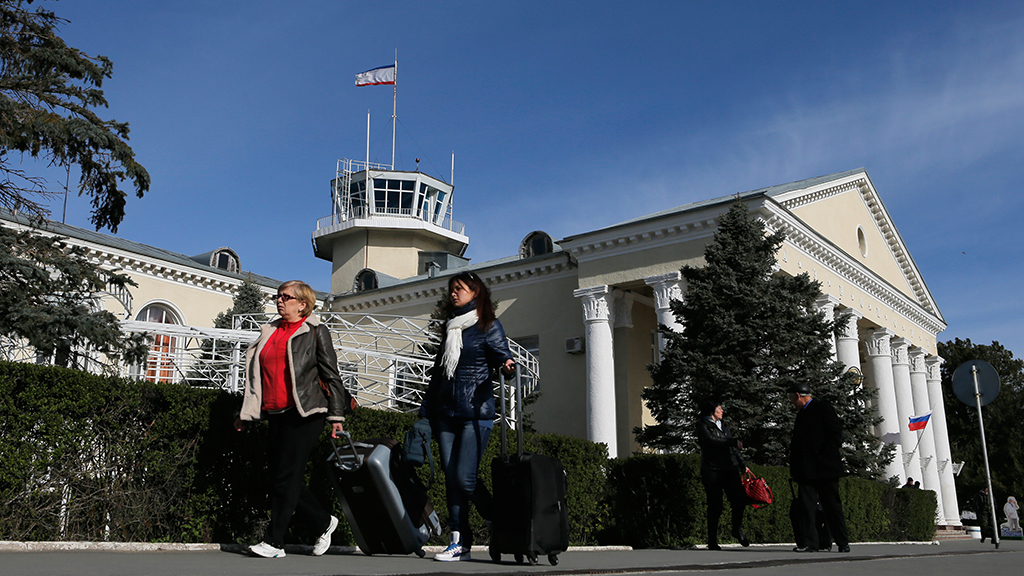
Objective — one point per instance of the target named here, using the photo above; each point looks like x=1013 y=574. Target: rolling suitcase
x=824 y=535
x=530 y=517
x=384 y=501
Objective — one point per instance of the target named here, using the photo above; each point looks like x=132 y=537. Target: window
x=536 y=244
x=530 y=343
x=366 y=280
x=225 y=259
x=862 y=242
x=392 y=196
x=160 y=361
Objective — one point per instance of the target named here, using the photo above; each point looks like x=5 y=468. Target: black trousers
x=808 y=496
x=291 y=441
x=715 y=483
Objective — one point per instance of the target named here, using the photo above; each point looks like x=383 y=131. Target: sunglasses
x=283 y=297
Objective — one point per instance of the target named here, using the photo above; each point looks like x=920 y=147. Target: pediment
x=847 y=212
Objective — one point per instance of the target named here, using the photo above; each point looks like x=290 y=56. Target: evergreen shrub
x=657 y=501
x=100 y=458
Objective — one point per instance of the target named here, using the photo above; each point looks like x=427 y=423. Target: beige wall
x=838 y=218
x=876 y=313
x=391 y=252
x=634 y=350
x=628 y=267
x=548 y=309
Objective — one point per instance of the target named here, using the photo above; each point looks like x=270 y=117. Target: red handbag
x=758 y=491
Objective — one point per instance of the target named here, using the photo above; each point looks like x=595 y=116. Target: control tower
x=387 y=224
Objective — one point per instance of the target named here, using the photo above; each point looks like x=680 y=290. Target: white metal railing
x=385 y=361
x=364 y=212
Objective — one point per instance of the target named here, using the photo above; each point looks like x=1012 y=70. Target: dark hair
x=484 y=306
x=706 y=406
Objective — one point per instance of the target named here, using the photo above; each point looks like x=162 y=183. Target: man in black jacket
x=815 y=463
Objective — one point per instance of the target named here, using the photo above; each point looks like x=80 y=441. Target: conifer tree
x=249 y=299
x=48 y=95
x=1003 y=432
x=50 y=295
x=749 y=332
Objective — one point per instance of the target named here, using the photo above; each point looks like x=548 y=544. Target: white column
x=601 y=425
x=905 y=407
x=827 y=305
x=847 y=345
x=667 y=287
x=926 y=437
x=879 y=375
x=950 y=506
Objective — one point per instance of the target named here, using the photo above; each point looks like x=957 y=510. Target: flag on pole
x=919 y=422
x=377 y=76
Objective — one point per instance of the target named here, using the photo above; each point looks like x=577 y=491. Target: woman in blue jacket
x=460 y=401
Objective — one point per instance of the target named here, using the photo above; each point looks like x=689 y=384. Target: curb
x=12 y=546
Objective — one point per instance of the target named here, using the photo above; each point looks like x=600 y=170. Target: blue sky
x=568 y=116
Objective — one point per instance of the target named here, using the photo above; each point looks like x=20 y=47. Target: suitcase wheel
x=553 y=559
x=532 y=556
x=518 y=557
x=495 y=555
x=421 y=552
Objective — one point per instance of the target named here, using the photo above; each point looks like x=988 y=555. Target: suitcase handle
x=519 y=415
x=344 y=461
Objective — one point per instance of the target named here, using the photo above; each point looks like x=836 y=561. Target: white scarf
x=453 y=340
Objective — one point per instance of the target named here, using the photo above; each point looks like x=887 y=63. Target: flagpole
x=394 y=113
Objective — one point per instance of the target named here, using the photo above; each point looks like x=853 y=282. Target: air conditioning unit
x=574 y=345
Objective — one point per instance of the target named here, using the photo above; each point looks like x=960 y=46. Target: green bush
x=88 y=457
x=98 y=458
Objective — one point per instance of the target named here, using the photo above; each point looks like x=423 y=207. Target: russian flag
x=919 y=422
x=382 y=75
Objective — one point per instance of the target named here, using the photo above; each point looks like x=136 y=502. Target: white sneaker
x=453 y=553
x=266 y=550
x=324 y=541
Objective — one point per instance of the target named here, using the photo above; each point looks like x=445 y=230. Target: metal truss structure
x=384 y=361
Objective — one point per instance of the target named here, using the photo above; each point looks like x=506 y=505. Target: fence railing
x=384 y=361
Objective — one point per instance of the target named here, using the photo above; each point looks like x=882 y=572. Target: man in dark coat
x=815 y=463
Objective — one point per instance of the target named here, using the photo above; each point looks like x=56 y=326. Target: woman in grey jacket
x=460 y=401
x=292 y=381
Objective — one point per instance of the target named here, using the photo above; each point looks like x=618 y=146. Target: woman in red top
x=292 y=381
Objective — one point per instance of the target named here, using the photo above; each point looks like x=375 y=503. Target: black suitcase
x=384 y=501
x=824 y=535
x=530 y=517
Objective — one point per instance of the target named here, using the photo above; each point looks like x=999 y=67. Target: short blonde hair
x=303 y=292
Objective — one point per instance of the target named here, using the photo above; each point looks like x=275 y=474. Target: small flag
x=382 y=75
x=919 y=422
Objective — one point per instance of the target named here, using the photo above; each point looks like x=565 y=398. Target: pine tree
x=49 y=298
x=48 y=93
x=749 y=333
x=249 y=299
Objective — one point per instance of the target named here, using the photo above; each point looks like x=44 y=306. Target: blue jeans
x=462 y=444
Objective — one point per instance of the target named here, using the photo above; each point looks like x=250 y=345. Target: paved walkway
x=948 y=557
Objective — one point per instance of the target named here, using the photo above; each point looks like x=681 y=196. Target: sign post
x=976 y=382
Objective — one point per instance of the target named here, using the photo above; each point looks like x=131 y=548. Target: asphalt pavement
x=878 y=559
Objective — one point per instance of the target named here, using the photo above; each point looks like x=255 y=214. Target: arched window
x=536 y=244
x=226 y=259
x=163 y=347
x=366 y=280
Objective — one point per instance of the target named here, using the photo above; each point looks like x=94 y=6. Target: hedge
x=89 y=457
x=659 y=502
